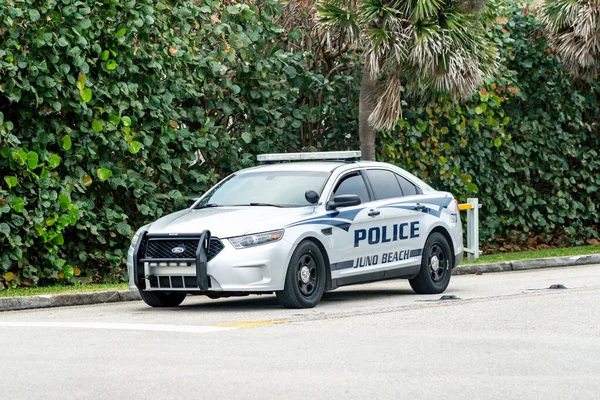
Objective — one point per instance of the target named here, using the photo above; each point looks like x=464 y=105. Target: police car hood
x=224 y=222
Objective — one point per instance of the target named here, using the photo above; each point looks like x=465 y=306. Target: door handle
x=374 y=213
x=419 y=207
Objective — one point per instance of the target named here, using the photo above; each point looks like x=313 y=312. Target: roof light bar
x=321 y=155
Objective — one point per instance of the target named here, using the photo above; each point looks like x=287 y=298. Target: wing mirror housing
x=343 y=200
x=311 y=196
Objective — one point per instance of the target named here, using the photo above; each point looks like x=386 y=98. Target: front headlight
x=241 y=242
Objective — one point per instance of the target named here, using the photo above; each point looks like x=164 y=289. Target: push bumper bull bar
x=201 y=261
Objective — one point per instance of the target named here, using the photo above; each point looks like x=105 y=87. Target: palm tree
x=413 y=49
x=574 y=31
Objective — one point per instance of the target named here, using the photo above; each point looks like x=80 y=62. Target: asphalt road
x=506 y=337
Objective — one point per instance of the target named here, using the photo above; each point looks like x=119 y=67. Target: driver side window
x=353 y=184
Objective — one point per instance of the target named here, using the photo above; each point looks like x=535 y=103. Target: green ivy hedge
x=113 y=112
x=527 y=144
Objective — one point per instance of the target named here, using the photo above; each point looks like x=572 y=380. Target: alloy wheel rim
x=307 y=276
x=438 y=263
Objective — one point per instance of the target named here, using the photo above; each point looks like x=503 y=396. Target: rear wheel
x=436 y=266
x=305 y=278
x=162 y=299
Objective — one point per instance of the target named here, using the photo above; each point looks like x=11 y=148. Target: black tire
x=436 y=266
x=305 y=278
x=162 y=299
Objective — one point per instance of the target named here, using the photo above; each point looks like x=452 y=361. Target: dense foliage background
x=527 y=145
x=112 y=113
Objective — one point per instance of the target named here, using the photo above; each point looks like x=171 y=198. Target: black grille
x=163 y=248
x=164 y=282
x=190 y=281
x=175 y=282
x=214 y=248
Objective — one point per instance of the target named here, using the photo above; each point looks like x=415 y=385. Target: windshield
x=277 y=188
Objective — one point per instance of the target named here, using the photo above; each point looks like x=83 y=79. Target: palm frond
x=573 y=28
x=338 y=21
x=424 y=9
x=417 y=48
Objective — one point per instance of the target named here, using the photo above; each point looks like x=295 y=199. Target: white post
x=473 y=230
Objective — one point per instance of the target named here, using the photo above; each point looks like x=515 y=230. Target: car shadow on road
x=363 y=294
x=269 y=302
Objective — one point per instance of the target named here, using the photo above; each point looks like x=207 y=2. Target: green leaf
x=34 y=15
x=134 y=147
x=247 y=137
x=86 y=95
x=68 y=270
x=291 y=71
x=233 y=10
x=32 y=160
x=121 y=32
x=81 y=82
x=97 y=126
x=18 y=204
x=114 y=119
x=62 y=42
x=126 y=121
x=472 y=188
x=104 y=55
x=497 y=142
x=60 y=240
x=103 y=173
x=54 y=161
x=64 y=201
x=11 y=181
x=87 y=180
x=5 y=229
x=111 y=64
x=66 y=142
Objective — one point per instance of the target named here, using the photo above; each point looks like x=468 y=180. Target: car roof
x=329 y=166
x=318 y=166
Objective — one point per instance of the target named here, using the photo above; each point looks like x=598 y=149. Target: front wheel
x=305 y=278
x=162 y=299
x=436 y=266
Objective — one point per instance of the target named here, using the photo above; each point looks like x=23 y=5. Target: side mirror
x=311 y=196
x=343 y=200
x=190 y=202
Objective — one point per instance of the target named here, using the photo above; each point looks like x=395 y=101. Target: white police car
x=299 y=229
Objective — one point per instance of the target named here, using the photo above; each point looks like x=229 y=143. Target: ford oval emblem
x=177 y=250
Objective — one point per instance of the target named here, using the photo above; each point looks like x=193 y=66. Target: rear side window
x=407 y=188
x=384 y=184
x=353 y=184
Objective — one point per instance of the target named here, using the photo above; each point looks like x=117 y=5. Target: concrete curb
x=113 y=296
x=67 y=299
x=536 y=263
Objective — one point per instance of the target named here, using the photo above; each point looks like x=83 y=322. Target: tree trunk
x=366 y=133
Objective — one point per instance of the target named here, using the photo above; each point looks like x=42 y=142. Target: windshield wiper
x=265 y=205
x=209 y=205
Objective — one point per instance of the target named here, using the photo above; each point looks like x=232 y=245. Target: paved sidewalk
x=77 y=299
x=536 y=263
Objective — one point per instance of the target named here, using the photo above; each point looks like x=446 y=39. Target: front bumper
x=250 y=270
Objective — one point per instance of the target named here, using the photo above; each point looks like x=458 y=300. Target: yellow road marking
x=250 y=324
